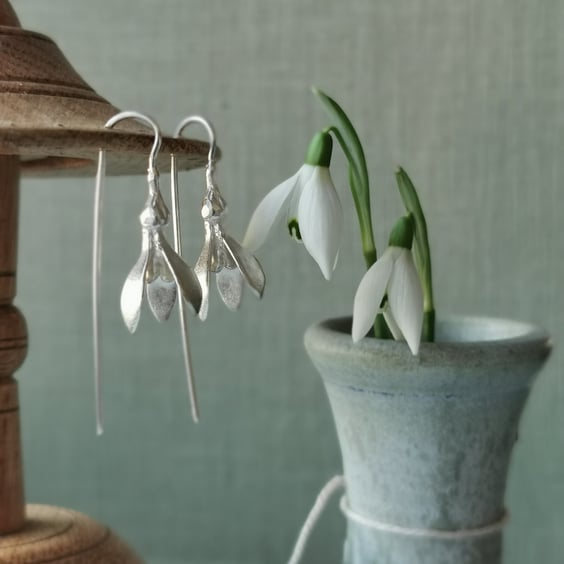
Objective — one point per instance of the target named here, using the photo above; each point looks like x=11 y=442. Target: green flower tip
x=320 y=149
x=294 y=229
x=402 y=233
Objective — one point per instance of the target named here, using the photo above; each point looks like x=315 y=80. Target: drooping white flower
x=393 y=274
x=310 y=205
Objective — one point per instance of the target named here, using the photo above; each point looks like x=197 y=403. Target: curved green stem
x=360 y=191
x=349 y=141
x=351 y=138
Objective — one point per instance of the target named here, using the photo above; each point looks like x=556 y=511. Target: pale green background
x=467 y=95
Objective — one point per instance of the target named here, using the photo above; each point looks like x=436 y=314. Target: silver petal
x=202 y=269
x=183 y=275
x=134 y=287
x=161 y=295
x=230 y=286
x=160 y=284
x=248 y=265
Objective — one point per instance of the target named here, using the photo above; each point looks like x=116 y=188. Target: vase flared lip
x=457 y=330
x=469 y=343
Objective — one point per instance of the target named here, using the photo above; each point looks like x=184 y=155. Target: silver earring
x=221 y=253
x=96 y=273
x=159 y=273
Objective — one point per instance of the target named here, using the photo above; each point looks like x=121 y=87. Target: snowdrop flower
x=310 y=205
x=395 y=274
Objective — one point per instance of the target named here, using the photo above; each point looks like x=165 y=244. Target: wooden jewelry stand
x=51 y=124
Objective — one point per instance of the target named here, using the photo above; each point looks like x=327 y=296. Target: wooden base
x=62 y=536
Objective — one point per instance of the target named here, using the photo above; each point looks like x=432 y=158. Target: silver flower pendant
x=158 y=272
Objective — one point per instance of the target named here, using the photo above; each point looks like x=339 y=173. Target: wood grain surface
x=54 y=120
x=63 y=536
x=13 y=348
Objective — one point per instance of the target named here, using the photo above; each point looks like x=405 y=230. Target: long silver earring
x=96 y=272
x=158 y=274
x=177 y=234
x=221 y=254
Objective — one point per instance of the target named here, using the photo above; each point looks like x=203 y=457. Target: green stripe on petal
x=268 y=213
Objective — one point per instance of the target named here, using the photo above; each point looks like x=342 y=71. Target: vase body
x=426 y=441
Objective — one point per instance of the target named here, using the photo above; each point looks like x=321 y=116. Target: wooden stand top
x=54 y=120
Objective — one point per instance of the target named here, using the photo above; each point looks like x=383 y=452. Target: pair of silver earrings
x=160 y=274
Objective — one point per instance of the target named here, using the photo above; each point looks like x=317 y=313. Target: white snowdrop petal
x=320 y=217
x=406 y=299
x=392 y=325
x=369 y=295
x=267 y=214
x=303 y=176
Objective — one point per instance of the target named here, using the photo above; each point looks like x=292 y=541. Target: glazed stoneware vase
x=426 y=441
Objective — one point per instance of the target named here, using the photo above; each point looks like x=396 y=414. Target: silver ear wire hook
x=221 y=254
x=159 y=273
x=129 y=114
x=209 y=128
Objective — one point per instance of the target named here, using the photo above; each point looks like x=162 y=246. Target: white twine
x=335 y=484
x=460 y=534
x=338 y=483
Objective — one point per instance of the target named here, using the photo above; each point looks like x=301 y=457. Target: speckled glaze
x=426 y=441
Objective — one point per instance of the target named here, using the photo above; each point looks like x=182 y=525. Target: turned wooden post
x=13 y=348
x=52 y=124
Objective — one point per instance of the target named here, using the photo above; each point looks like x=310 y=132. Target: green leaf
x=423 y=253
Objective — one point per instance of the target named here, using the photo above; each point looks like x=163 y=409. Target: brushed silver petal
x=230 y=286
x=248 y=265
x=134 y=287
x=203 y=268
x=183 y=275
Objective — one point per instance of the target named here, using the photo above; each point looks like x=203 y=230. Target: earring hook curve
x=147 y=120
x=208 y=126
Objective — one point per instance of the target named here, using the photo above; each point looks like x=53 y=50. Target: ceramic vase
x=426 y=440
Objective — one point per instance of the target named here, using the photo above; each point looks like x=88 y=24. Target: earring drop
x=159 y=273
x=221 y=254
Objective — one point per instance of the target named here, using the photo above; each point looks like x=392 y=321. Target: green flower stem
x=351 y=139
x=381 y=329
x=361 y=197
x=422 y=250
x=361 y=200
x=428 y=331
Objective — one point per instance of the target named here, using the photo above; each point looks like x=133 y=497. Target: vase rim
x=458 y=330
x=458 y=361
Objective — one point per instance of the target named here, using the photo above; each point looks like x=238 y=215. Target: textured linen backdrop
x=468 y=96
